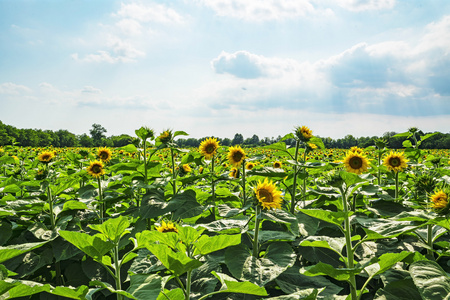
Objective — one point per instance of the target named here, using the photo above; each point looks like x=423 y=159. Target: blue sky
x=220 y=67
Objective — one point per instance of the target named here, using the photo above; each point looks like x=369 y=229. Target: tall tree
x=97 y=134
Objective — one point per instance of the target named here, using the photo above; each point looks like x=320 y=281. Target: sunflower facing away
x=104 y=154
x=304 y=133
x=95 y=169
x=440 y=200
x=165 y=137
x=356 y=162
x=46 y=156
x=209 y=147
x=268 y=195
x=167 y=227
x=236 y=156
x=395 y=161
x=234 y=173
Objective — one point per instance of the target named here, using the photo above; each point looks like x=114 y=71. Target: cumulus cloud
x=261 y=10
x=149 y=12
x=9 y=88
x=363 y=5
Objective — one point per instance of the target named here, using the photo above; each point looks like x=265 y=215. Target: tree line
x=10 y=135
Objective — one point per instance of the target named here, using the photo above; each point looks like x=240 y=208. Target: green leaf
x=334 y=244
x=25 y=288
x=113 y=228
x=130 y=148
x=73 y=205
x=284 y=217
x=244 y=266
x=332 y=217
x=407 y=144
x=93 y=246
x=11 y=251
x=430 y=279
x=208 y=244
x=110 y=288
x=231 y=285
x=385 y=262
x=70 y=292
x=179 y=132
x=317 y=141
x=341 y=274
x=145 y=286
x=189 y=234
x=350 y=178
x=398 y=290
x=177 y=262
x=277 y=146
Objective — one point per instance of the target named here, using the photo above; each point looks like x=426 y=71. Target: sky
x=221 y=67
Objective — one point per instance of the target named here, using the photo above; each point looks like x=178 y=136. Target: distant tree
x=121 y=140
x=66 y=138
x=85 y=140
x=226 y=142
x=238 y=139
x=97 y=134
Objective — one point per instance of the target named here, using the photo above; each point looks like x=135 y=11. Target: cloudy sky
x=220 y=67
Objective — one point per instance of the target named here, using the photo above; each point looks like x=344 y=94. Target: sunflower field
x=155 y=221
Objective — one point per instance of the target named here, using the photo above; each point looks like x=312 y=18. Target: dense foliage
x=153 y=220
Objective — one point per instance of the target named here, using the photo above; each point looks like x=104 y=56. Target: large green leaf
x=11 y=251
x=113 y=228
x=145 y=286
x=279 y=256
x=177 y=262
x=70 y=292
x=332 y=243
x=332 y=217
x=398 y=290
x=430 y=279
x=231 y=285
x=342 y=274
x=24 y=288
x=284 y=217
x=207 y=244
x=94 y=246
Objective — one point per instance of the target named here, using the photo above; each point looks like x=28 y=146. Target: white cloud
x=9 y=88
x=261 y=10
x=149 y=12
x=363 y=5
x=129 y=27
x=91 y=90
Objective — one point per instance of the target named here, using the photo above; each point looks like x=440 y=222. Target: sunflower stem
x=50 y=203
x=256 y=236
x=430 y=241
x=145 y=160
x=294 y=185
x=117 y=270
x=304 y=180
x=396 y=186
x=100 y=199
x=213 y=188
x=174 y=176
x=244 y=195
x=348 y=244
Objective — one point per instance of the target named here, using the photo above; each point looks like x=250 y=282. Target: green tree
x=98 y=134
x=85 y=140
x=238 y=139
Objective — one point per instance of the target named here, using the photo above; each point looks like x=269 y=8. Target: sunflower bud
x=334 y=179
x=303 y=133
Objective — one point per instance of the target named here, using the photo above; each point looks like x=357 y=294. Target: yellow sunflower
x=104 y=154
x=356 y=162
x=395 y=161
x=277 y=164
x=46 y=156
x=186 y=168
x=165 y=137
x=268 y=195
x=249 y=165
x=440 y=200
x=209 y=147
x=95 y=169
x=356 y=149
x=236 y=156
x=167 y=227
x=304 y=133
x=312 y=146
x=234 y=173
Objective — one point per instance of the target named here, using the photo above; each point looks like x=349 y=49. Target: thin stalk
x=50 y=203
x=100 y=199
x=256 y=236
x=348 y=245
x=174 y=176
x=304 y=180
x=379 y=171
x=144 y=142
x=430 y=240
x=188 y=285
x=213 y=188
x=396 y=185
x=117 y=270
x=294 y=185
x=244 y=195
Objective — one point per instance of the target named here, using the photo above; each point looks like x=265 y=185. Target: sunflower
x=356 y=149
x=356 y=162
x=312 y=146
x=277 y=164
x=209 y=147
x=395 y=161
x=236 y=156
x=95 y=169
x=304 y=133
x=234 y=173
x=249 y=165
x=165 y=137
x=167 y=227
x=46 y=156
x=186 y=168
x=104 y=154
x=268 y=195
x=440 y=200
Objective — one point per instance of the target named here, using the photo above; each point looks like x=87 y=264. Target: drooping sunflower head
x=96 y=169
x=440 y=202
x=236 y=156
x=46 y=156
x=277 y=164
x=356 y=162
x=165 y=137
x=303 y=133
x=249 y=165
x=395 y=161
x=104 y=154
x=268 y=195
x=167 y=227
x=209 y=147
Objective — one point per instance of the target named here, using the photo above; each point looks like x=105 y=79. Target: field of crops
x=153 y=221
